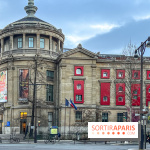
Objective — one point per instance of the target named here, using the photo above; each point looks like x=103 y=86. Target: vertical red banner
x=23 y=84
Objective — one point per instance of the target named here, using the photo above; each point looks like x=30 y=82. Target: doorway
x=22 y=127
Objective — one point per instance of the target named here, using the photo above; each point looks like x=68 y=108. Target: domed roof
x=31 y=20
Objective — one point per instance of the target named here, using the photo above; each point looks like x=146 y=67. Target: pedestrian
x=59 y=135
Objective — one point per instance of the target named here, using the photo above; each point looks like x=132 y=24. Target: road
x=69 y=146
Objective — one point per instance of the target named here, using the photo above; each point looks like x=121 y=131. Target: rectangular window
x=50 y=75
x=50 y=119
x=23 y=115
x=31 y=42
x=120 y=74
x=135 y=91
x=119 y=117
x=104 y=117
x=135 y=74
x=105 y=73
x=19 y=42
x=78 y=97
x=78 y=116
x=42 y=43
x=49 y=93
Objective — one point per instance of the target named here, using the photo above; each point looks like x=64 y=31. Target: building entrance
x=22 y=127
x=23 y=122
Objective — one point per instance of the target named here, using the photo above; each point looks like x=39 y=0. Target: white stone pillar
x=2 y=45
x=11 y=42
x=58 y=47
x=50 y=43
x=24 y=41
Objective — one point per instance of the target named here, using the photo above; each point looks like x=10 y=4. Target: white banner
x=112 y=129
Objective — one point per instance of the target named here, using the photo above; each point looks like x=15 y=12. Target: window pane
x=78 y=71
x=105 y=74
x=41 y=43
x=50 y=75
x=120 y=99
x=149 y=90
x=78 y=115
x=105 y=98
x=19 y=42
x=79 y=87
x=120 y=74
x=78 y=97
x=49 y=93
x=135 y=97
x=104 y=117
x=135 y=92
x=119 y=117
x=120 y=89
x=136 y=74
x=30 y=42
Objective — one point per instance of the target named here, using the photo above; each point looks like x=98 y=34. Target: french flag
x=67 y=103
x=73 y=105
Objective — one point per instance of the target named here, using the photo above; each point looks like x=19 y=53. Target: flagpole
x=69 y=120
x=65 y=122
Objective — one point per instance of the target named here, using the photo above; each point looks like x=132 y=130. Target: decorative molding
x=105 y=80
x=78 y=78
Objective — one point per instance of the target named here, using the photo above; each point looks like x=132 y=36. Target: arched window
x=78 y=71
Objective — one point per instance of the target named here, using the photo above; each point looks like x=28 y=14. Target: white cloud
x=138 y=18
x=104 y=27
x=86 y=32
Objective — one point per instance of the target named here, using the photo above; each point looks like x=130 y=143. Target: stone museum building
x=37 y=75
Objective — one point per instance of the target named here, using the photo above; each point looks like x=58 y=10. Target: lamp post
x=140 y=51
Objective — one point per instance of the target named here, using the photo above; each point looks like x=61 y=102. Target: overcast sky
x=105 y=26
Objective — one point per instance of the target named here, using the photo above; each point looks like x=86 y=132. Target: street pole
x=140 y=50
x=141 y=98
x=34 y=101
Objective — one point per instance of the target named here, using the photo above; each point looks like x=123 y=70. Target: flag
x=67 y=102
x=73 y=105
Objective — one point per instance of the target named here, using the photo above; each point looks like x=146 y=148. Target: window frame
x=50 y=121
x=78 y=67
x=105 y=71
x=49 y=75
x=18 y=44
x=104 y=117
x=43 y=42
x=49 y=93
x=138 y=74
x=120 y=71
x=29 y=42
x=78 y=113
x=119 y=117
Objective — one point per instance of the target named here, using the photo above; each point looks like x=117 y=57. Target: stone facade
x=51 y=57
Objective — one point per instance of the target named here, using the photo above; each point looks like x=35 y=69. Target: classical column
x=11 y=42
x=50 y=43
x=38 y=41
x=24 y=40
x=2 y=45
x=58 y=47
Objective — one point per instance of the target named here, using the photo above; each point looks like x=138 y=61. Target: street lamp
x=140 y=52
